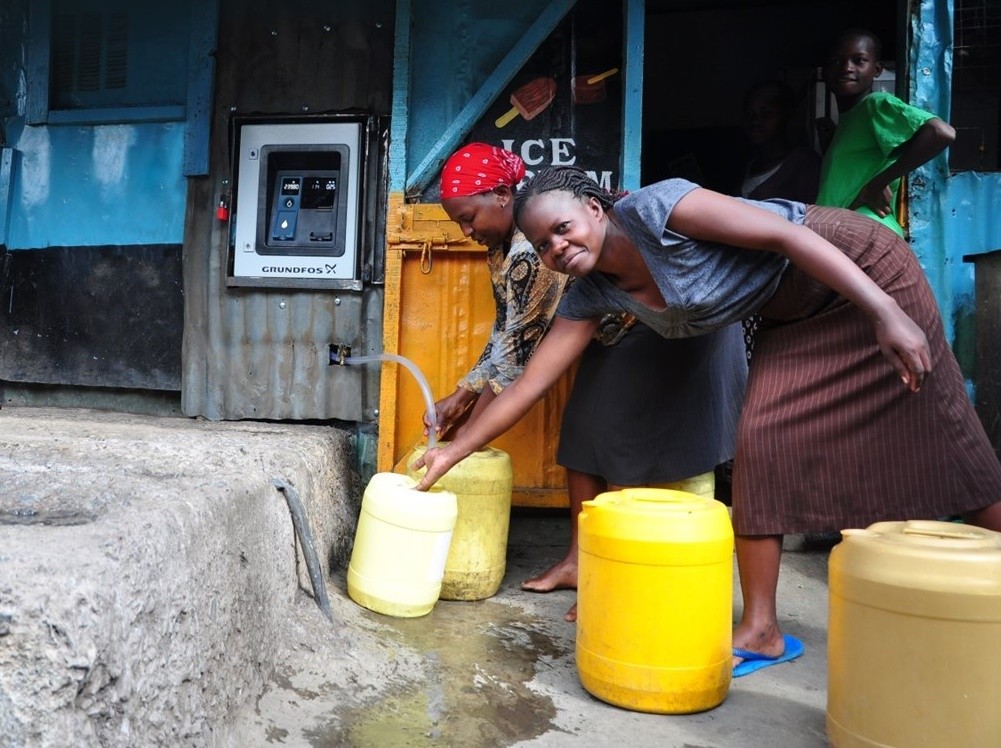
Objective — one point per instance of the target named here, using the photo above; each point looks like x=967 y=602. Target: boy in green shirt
x=879 y=138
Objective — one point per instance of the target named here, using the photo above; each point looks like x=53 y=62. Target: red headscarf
x=477 y=168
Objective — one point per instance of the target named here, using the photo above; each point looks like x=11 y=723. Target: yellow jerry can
x=477 y=559
x=914 y=626
x=655 y=600
x=400 y=546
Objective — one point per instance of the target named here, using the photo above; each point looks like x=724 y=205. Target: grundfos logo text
x=304 y=270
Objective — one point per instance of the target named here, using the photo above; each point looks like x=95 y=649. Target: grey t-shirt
x=706 y=285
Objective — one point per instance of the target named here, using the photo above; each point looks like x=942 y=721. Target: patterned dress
x=526 y=294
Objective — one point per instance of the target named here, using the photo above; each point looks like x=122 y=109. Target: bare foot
x=767 y=641
x=560 y=576
x=571 y=615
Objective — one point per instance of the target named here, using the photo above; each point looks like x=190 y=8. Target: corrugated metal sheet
x=263 y=353
x=951 y=215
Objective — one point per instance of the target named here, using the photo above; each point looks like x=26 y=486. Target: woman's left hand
x=905 y=346
x=438 y=461
x=877 y=199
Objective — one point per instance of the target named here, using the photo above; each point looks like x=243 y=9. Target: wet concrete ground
x=501 y=672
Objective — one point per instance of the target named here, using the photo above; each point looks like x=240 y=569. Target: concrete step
x=148 y=567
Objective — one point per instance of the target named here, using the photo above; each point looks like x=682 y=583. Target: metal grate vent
x=976 y=85
x=90 y=52
x=977 y=48
x=116 y=58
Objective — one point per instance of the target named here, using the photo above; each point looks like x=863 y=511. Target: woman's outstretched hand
x=905 y=346
x=438 y=461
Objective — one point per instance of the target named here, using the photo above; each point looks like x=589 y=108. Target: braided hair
x=570 y=179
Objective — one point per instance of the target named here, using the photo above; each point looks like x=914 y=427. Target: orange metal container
x=439 y=312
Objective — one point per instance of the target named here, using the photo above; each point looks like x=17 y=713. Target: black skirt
x=651 y=410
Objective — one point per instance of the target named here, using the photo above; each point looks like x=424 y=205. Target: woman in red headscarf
x=477 y=192
x=644 y=410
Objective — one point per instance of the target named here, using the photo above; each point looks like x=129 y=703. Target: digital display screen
x=291 y=185
x=319 y=193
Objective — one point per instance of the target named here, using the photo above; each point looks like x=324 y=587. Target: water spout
x=342 y=356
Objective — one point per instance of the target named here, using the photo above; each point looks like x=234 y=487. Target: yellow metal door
x=439 y=313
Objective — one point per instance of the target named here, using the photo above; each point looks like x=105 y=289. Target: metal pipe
x=301 y=525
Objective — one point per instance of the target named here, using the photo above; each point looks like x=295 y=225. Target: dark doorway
x=701 y=57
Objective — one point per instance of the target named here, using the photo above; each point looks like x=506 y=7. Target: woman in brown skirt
x=855 y=409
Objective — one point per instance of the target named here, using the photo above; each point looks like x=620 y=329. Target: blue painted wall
x=84 y=185
x=453 y=49
x=97 y=185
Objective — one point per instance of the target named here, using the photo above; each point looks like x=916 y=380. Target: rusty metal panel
x=92 y=316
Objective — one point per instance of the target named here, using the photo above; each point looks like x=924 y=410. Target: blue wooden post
x=632 y=105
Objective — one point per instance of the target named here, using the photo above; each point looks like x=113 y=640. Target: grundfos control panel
x=297 y=201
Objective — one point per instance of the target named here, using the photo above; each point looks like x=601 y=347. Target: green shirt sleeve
x=894 y=122
x=864 y=145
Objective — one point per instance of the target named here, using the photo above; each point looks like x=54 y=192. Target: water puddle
x=480 y=656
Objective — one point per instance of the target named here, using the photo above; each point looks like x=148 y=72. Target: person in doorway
x=856 y=410
x=674 y=414
x=778 y=166
x=878 y=138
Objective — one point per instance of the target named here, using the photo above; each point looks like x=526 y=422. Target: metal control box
x=298 y=201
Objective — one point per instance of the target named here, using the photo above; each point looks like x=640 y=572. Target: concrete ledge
x=146 y=566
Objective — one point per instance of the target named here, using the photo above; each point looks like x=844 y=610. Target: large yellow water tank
x=400 y=546
x=477 y=559
x=913 y=637
x=655 y=599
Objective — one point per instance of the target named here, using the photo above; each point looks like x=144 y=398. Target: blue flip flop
x=755 y=661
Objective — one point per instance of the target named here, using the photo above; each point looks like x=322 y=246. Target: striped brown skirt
x=829 y=437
